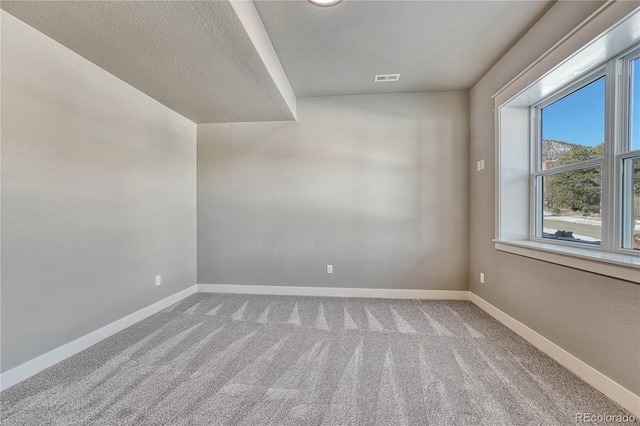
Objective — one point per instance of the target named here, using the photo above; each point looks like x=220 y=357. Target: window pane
x=631 y=203
x=571 y=206
x=573 y=127
x=635 y=106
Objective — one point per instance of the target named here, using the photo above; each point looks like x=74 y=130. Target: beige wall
x=98 y=196
x=593 y=317
x=376 y=185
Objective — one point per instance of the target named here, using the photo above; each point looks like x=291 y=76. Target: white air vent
x=387 y=77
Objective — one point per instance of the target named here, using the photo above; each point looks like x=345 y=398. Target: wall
x=98 y=196
x=593 y=317
x=376 y=185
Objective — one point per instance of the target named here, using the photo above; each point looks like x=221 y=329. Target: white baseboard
x=382 y=293
x=604 y=384
x=29 y=368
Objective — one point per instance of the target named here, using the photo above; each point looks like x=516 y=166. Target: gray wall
x=98 y=196
x=593 y=317
x=376 y=185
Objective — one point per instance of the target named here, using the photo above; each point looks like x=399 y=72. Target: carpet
x=224 y=359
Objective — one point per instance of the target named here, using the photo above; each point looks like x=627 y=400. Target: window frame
x=624 y=150
x=536 y=172
x=610 y=31
x=617 y=146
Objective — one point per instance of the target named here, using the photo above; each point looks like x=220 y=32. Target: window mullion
x=535 y=201
x=610 y=199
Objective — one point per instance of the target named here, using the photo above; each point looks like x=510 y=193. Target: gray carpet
x=217 y=359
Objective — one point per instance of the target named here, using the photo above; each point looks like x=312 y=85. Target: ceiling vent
x=387 y=77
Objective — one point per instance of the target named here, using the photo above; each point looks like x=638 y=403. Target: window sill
x=609 y=264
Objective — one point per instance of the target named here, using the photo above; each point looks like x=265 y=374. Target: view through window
x=573 y=136
x=631 y=167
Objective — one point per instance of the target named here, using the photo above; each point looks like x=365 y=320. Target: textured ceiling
x=434 y=45
x=193 y=56
x=211 y=61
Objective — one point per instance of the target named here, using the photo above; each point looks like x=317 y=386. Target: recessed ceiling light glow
x=324 y=3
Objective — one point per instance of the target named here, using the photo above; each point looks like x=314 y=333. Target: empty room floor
x=223 y=359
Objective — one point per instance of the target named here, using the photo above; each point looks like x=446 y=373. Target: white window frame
x=624 y=220
x=535 y=203
x=616 y=210
x=571 y=64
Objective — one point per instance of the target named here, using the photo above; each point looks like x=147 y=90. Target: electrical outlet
x=158 y=280
x=480 y=165
x=481 y=277
x=329 y=269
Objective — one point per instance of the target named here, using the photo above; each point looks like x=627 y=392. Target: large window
x=568 y=151
x=585 y=177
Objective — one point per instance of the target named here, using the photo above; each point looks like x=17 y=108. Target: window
x=631 y=160
x=578 y=156
x=635 y=100
x=568 y=152
x=631 y=203
x=567 y=175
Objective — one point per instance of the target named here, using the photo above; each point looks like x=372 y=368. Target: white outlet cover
x=329 y=269
x=481 y=277
x=158 y=280
x=480 y=165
